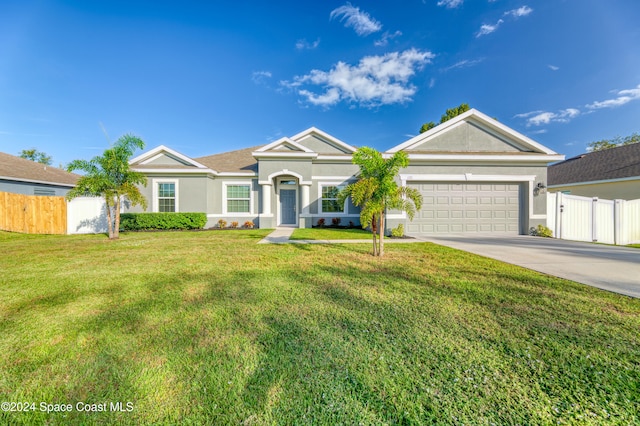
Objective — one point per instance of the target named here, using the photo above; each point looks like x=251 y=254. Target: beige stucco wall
x=624 y=190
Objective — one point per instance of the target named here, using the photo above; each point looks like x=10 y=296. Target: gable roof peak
x=284 y=142
x=478 y=117
x=150 y=155
x=327 y=137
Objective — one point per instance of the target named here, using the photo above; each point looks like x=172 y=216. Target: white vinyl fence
x=86 y=215
x=572 y=217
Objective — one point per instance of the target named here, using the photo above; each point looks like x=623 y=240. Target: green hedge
x=150 y=221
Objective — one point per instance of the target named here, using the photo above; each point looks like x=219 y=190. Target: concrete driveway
x=610 y=268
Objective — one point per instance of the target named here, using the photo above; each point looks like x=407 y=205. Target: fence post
x=618 y=222
x=594 y=221
x=559 y=209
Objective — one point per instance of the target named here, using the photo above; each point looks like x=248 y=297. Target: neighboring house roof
x=614 y=163
x=19 y=169
x=234 y=161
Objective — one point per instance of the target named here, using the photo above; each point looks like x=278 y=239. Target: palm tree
x=377 y=191
x=109 y=176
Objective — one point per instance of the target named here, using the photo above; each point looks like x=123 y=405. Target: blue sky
x=204 y=77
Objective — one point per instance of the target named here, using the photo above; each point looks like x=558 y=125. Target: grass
x=212 y=328
x=634 y=245
x=331 y=234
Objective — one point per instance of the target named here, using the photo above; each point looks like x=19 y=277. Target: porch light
x=539 y=188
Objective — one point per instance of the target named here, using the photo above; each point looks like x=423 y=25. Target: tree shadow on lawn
x=350 y=339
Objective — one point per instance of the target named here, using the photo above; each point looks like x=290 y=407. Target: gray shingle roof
x=19 y=169
x=232 y=161
x=613 y=163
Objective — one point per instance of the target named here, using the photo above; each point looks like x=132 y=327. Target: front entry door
x=288 y=207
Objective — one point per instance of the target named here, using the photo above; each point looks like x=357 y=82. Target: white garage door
x=464 y=207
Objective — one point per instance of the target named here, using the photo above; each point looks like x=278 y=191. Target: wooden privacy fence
x=33 y=214
x=572 y=217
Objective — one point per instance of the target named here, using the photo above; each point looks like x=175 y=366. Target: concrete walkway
x=612 y=268
x=282 y=235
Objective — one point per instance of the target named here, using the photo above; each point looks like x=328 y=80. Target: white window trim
x=248 y=183
x=345 y=211
x=156 y=200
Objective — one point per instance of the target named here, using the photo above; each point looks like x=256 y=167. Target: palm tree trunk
x=109 y=221
x=373 y=232
x=381 y=250
x=116 y=213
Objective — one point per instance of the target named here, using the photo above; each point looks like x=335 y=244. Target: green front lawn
x=331 y=234
x=212 y=328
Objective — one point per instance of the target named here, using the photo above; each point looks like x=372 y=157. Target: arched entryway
x=287 y=191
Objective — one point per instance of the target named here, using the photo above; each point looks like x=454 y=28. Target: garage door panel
x=465 y=207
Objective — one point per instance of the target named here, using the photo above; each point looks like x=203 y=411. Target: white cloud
x=303 y=44
x=386 y=36
x=375 y=81
x=361 y=22
x=514 y=13
x=624 y=96
x=541 y=118
x=488 y=29
x=450 y=4
x=466 y=63
x=519 y=12
x=260 y=77
x=538 y=118
x=553 y=67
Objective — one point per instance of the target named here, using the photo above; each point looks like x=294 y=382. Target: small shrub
x=222 y=224
x=160 y=221
x=234 y=224
x=351 y=224
x=398 y=231
x=248 y=224
x=336 y=221
x=543 y=231
x=321 y=223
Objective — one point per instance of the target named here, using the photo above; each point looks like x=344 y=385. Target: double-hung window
x=238 y=198
x=166 y=197
x=330 y=202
